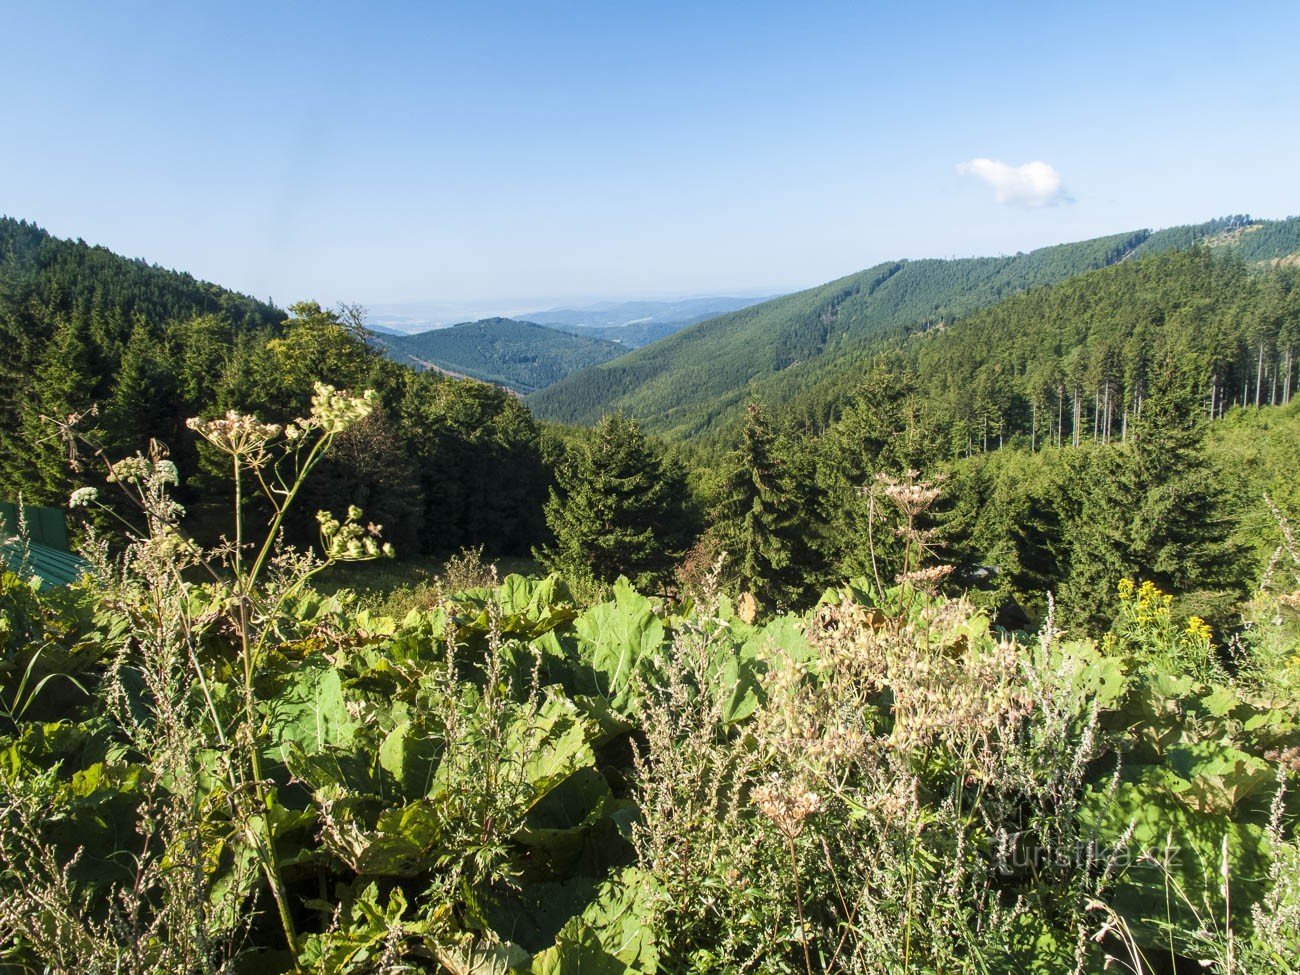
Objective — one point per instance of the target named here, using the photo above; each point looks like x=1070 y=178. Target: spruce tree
x=1181 y=527
x=68 y=381
x=142 y=403
x=619 y=509
x=1149 y=510
x=880 y=431
x=760 y=522
x=1097 y=499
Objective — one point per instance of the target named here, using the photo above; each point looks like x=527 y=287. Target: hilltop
x=637 y=323
x=521 y=356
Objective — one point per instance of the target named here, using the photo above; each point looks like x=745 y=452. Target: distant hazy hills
x=527 y=356
x=637 y=323
x=521 y=356
x=696 y=381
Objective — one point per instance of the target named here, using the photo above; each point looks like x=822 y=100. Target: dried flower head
x=237 y=434
x=910 y=496
x=787 y=804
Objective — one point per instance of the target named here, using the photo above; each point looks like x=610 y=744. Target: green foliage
x=759 y=521
x=206 y=765
x=633 y=324
x=1254 y=455
x=134 y=351
x=510 y=783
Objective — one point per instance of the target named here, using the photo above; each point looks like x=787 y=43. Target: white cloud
x=1035 y=184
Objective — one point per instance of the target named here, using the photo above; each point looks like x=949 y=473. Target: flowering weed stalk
x=249 y=592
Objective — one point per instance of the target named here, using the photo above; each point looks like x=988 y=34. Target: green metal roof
x=42 y=553
x=46 y=526
x=48 y=565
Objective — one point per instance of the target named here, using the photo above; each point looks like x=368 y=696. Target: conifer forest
x=976 y=651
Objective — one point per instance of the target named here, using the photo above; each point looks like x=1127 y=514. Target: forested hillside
x=631 y=336
x=694 y=383
x=1073 y=362
x=521 y=356
x=504 y=778
x=135 y=351
x=1070 y=424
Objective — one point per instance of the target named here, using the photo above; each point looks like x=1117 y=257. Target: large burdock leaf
x=616 y=639
x=611 y=937
x=311 y=712
x=409 y=755
x=1178 y=856
x=373 y=934
x=518 y=607
x=555 y=744
x=1214 y=778
x=395 y=842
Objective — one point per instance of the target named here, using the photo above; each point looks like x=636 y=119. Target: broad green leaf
x=1171 y=870
x=611 y=937
x=311 y=712
x=615 y=638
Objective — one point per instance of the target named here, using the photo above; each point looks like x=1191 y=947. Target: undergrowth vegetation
x=208 y=765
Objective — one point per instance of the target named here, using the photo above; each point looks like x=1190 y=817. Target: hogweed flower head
x=334 y=411
x=927 y=579
x=349 y=540
x=130 y=470
x=83 y=496
x=910 y=496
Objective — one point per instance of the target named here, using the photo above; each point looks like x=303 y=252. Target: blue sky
x=510 y=152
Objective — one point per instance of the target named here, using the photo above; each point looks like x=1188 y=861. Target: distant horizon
x=440 y=313
x=578 y=300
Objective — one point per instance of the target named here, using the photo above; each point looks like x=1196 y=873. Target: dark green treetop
x=619 y=509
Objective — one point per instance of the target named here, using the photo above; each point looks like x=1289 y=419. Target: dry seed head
x=786 y=804
x=237 y=434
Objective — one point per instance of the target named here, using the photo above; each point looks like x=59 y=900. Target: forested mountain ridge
x=1075 y=361
x=694 y=383
x=73 y=317
x=1039 y=412
x=619 y=314
x=135 y=351
x=805 y=616
x=521 y=356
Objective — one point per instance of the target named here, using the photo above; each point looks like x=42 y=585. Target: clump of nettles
x=166 y=602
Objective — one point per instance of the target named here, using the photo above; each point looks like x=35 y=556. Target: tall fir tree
x=142 y=404
x=1182 y=527
x=619 y=509
x=880 y=431
x=69 y=379
x=761 y=522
